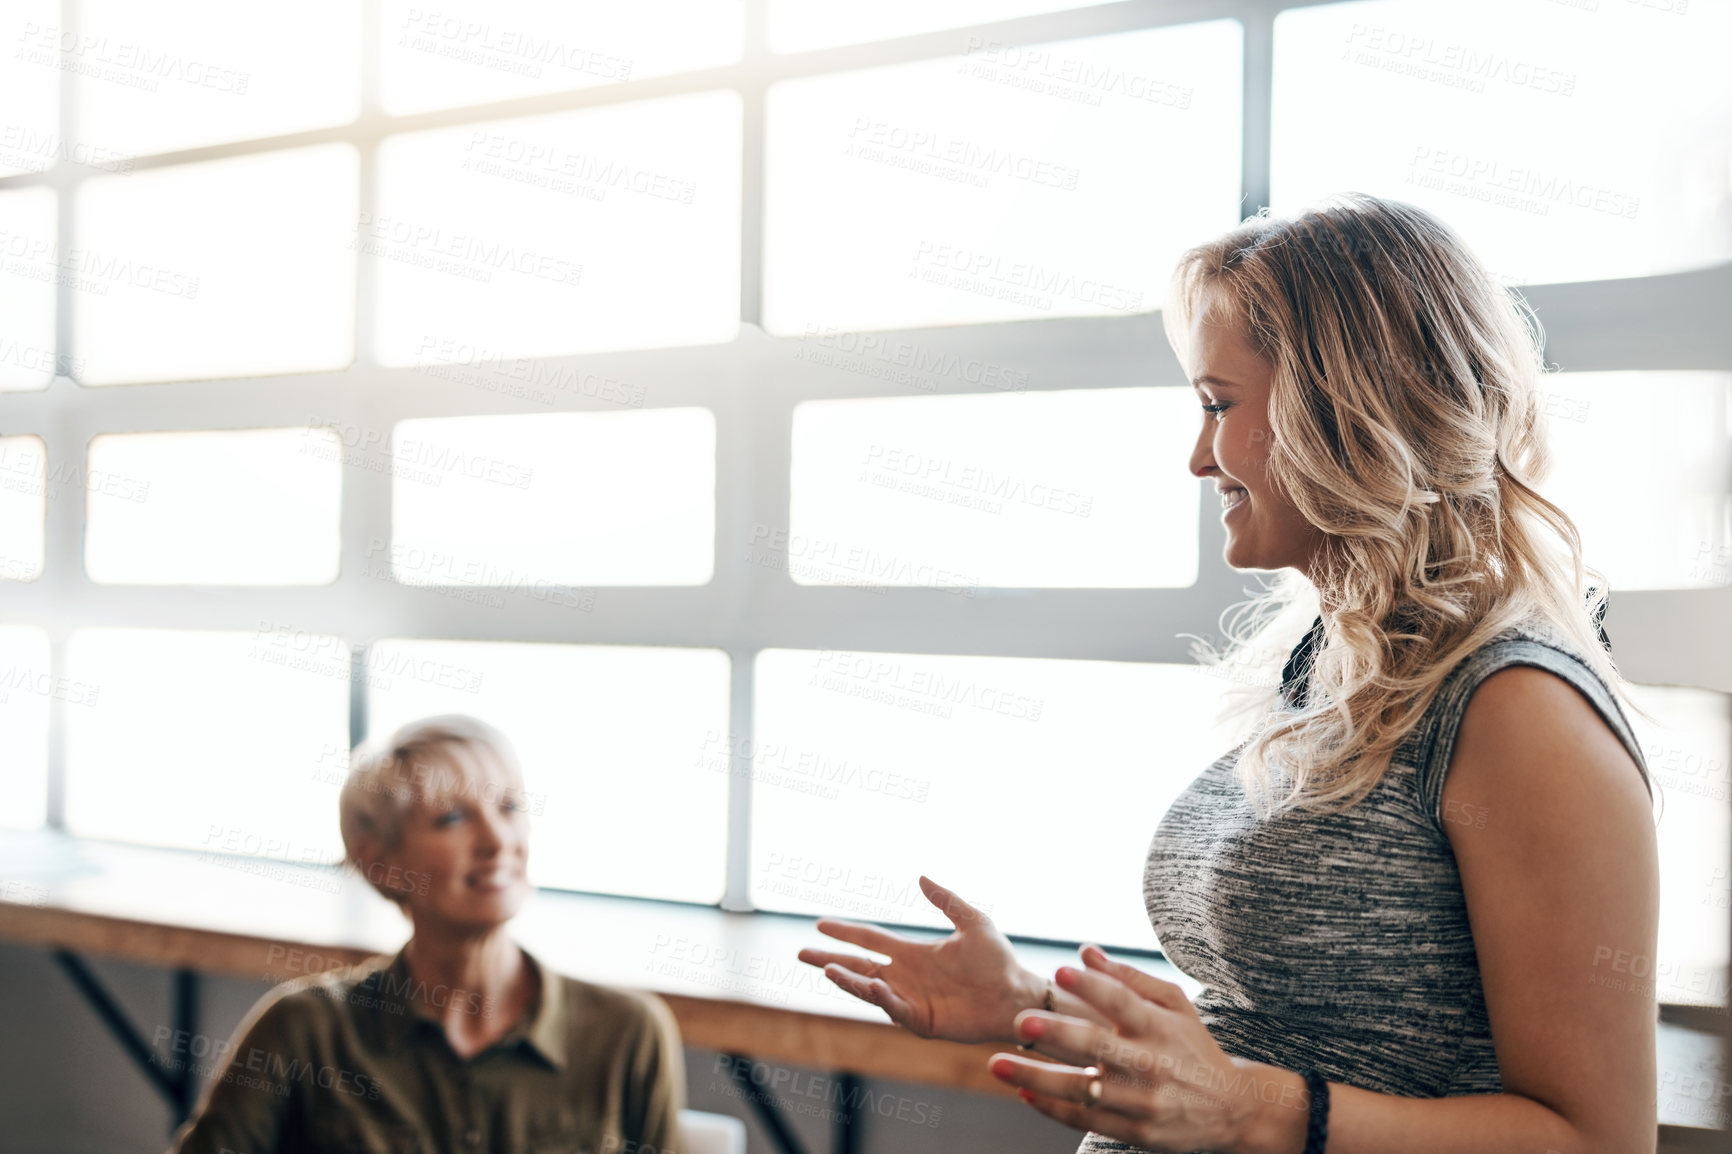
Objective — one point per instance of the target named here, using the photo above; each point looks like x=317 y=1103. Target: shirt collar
x=546 y=1026
x=397 y=1014
x=1296 y=674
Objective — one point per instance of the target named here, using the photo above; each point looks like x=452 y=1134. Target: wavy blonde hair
x=1405 y=424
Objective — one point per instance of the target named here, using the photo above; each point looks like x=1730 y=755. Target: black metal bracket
x=848 y=1129
x=766 y=1110
x=846 y=1135
x=174 y=1081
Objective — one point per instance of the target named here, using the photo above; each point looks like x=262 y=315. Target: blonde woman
x=1405 y=891
x=463 y=1041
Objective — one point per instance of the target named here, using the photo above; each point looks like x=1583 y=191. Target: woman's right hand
x=967 y=987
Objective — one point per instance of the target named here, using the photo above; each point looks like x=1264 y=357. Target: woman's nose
x=1203 y=453
x=491 y=832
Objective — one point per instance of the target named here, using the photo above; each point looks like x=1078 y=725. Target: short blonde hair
x=385 y=777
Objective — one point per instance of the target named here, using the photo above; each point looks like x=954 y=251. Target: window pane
x=255 y=507
x=606 y=229
x=1011 y=183
x=608 y=737
x=30 y=137
x=872 y=768
x=1643 y=465
x=27 y=685
x=1689 y=754
x=161 y=75
x=196 y=737
x=1081 y=488
x=1564 y=142
x=229 y=267
x=28 y=265
x=801 y=25
x=23 y=507
x=564 y=499
x=476 y=51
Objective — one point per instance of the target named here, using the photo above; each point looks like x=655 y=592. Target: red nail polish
x=1033 y=1028
x=1065 y=977
x=1003 y=1069
x=1025 y=1094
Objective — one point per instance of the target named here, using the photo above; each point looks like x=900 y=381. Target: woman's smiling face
x=1264 y=529
x=465 y=841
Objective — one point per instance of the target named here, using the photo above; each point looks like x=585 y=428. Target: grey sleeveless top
x=1341 y=942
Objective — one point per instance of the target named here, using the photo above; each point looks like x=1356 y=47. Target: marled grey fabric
x=1342 y=942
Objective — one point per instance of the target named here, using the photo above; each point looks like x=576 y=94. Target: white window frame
x=752 y=385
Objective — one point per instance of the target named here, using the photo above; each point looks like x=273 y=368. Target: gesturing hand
x=1155 y=1078
x=966 y=988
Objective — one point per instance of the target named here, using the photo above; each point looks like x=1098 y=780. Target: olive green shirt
x=349 y=1063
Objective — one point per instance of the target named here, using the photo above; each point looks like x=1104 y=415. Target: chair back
x=704 y=1133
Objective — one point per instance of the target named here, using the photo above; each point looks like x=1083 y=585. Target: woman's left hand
x=1159 y=1081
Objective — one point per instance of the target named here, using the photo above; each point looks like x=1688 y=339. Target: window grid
x=752 y=385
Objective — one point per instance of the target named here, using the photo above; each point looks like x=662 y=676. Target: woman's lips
x=1232 y=497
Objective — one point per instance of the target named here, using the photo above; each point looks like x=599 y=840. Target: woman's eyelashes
x=1215 y=410
x=511 y=807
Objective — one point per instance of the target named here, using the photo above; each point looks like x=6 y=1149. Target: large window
x=967 y=492
x=1566 y=141
x=1006 y=182
x=761 y=411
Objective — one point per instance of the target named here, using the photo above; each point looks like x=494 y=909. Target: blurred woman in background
x=462 y=1041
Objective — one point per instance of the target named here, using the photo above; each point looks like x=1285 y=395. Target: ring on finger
x=1094 y=1089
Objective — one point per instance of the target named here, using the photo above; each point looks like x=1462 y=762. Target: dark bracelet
x=1317 y=1130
